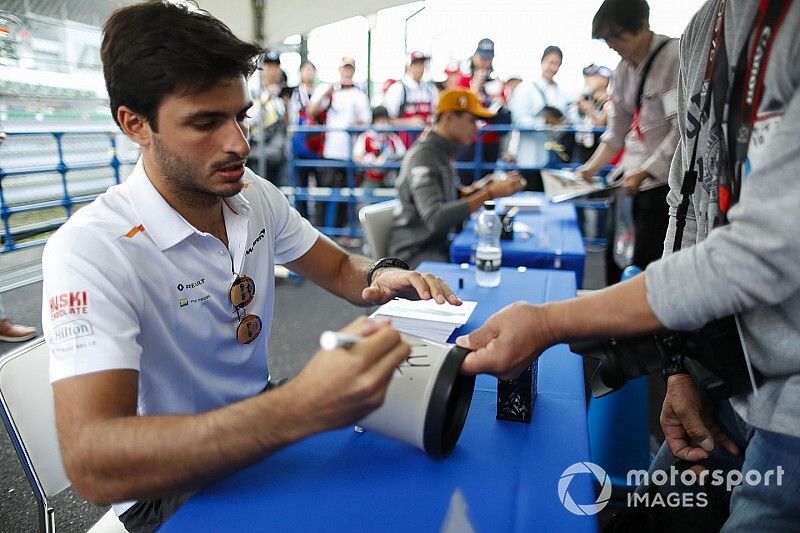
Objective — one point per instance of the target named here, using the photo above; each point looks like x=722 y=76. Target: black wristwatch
x=673 y=355
x=386 y=262
x=673 y=367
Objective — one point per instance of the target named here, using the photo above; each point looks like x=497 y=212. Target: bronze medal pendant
x=242 y=291
x=248 y=329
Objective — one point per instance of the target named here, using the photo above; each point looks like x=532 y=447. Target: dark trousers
x=650 y=220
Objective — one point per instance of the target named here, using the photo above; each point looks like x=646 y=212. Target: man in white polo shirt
x=159 y=295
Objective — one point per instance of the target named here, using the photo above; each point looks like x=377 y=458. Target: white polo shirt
x=130 y=284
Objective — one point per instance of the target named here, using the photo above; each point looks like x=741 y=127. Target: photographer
x=740 y=251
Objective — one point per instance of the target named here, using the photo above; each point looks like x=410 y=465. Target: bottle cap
x=489 y=204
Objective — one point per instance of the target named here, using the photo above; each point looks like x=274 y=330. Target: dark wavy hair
x=154 y=49
x=553 y=50
x=626 y=15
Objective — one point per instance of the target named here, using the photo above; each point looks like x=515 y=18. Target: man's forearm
x=352 y=278
x=133 y=457
x=619 y=310
x=600 y=157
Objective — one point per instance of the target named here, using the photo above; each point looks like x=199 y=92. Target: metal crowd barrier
x=79 y=165
x=41 y=170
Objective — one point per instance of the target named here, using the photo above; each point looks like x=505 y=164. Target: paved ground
x=301 y=310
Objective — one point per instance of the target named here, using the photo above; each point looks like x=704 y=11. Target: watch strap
x=386 y=262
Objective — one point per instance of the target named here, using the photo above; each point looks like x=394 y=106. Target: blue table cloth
x=556 y=242
x=507 y=472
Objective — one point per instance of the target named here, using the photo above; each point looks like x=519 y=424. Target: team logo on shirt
x=191 y=285
x=185 y=302
x=258 y=239
x=72 y=330
x=69 y=303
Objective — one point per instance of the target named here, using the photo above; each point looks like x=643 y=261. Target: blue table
x=507 y=472
x=556 y=242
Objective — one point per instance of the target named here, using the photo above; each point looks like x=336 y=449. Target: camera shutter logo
x=584 y=468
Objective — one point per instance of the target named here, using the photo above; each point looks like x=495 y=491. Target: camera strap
x=743 y=98
x=637 y=113
x=690 y=176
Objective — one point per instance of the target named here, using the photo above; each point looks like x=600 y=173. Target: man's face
x=308 y=74
x=271 y=74
x=550 y=65
x=201 y=145
x=623 y=42
x=460 y=127
x=346 y=72
x=417 y=69
x=596 y=83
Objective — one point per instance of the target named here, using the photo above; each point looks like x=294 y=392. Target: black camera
x=713 y=355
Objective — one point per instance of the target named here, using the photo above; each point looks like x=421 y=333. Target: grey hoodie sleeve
x=754 y=260
x=437 y=214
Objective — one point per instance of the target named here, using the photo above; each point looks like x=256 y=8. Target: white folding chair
x=26 y=405
x=376 y=219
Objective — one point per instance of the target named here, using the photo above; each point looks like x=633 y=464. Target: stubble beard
x=184 y=179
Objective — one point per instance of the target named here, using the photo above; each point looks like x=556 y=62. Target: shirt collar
x=160 y=220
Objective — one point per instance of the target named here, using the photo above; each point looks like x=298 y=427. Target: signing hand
x=340 y=387
x=687 y=418
x=513 y=183
x=389 y=283
x=507 y=342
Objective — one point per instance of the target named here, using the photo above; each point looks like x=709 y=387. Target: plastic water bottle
x=488 y=254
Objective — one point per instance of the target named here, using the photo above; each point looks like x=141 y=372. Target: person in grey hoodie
x=747 y=267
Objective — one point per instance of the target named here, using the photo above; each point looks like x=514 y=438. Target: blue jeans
x=760 y=506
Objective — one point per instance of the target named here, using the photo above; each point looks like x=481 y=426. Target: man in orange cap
x=428 y=185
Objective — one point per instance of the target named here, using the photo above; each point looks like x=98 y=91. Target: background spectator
x=305 y=145
x=592 y=109
x=528 y=105
x=478 y=76
x=345 y=105
x=645 y=124
x=377 y=146
x=411 y=101
x=268 y=134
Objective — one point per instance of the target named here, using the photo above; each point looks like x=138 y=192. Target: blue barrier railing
x=350 y=194
x=62 y=166
x=353 y=195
